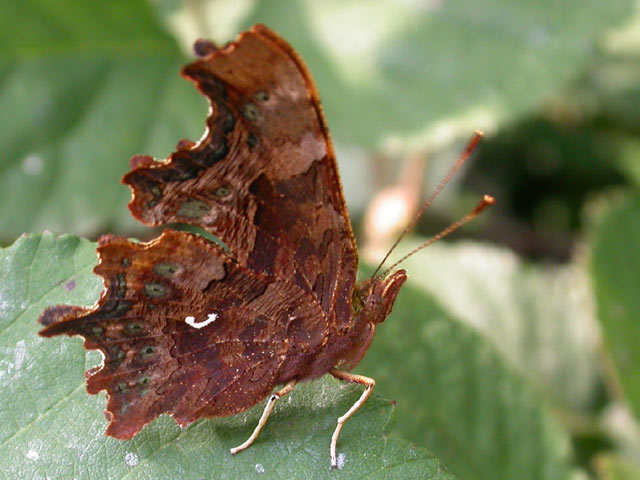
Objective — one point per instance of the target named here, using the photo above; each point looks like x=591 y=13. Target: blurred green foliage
x=504 y=365
x=616 y=274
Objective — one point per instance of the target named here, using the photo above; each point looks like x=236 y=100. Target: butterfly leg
x=353 y=378
x=265 y=415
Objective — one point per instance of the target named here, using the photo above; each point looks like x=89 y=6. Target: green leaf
x=629 y=157
x=540 y=319
x=50 y=427
x=615 y=467
x=611 y=87
x=405 y=75
x=82 y=89
x=615 y=262
x=458 y=395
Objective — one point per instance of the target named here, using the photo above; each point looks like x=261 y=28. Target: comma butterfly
x=193 y=329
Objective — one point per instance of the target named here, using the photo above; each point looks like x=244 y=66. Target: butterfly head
x=378 y=294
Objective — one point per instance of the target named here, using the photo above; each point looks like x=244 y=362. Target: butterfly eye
x=222 y=191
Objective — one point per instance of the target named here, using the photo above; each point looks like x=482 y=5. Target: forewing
x=223 y=360
x=263 y=178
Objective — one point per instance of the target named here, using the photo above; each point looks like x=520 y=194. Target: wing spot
x=194 y=209
x=252 y=140
x=261 y=96
x=133 y=328
x=154 y=290
x=97 y=330
x=222 y=191
x=115 y=308
x=191 y=321
x=116 y=357
x=147 y=352
x=250 y=112
x=165 y=269
x=144 y=380
x=121 y=285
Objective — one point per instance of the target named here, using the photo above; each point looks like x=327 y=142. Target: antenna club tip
x=488 y=200
x=473 y=143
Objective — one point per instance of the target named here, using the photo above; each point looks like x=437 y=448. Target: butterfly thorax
x=344 y=347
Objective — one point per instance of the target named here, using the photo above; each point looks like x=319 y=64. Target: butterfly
x=195 y=329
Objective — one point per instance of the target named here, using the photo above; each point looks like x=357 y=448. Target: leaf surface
x=82 y=89
x=540 y=319
x=615 y=263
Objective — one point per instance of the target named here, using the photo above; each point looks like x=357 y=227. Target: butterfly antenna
x=486 y=202
x=471 y=146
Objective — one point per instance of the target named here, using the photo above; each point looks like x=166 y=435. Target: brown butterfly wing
x=154 y=362
x=263 y=178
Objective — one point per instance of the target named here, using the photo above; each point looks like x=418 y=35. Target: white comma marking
x=192 y=320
